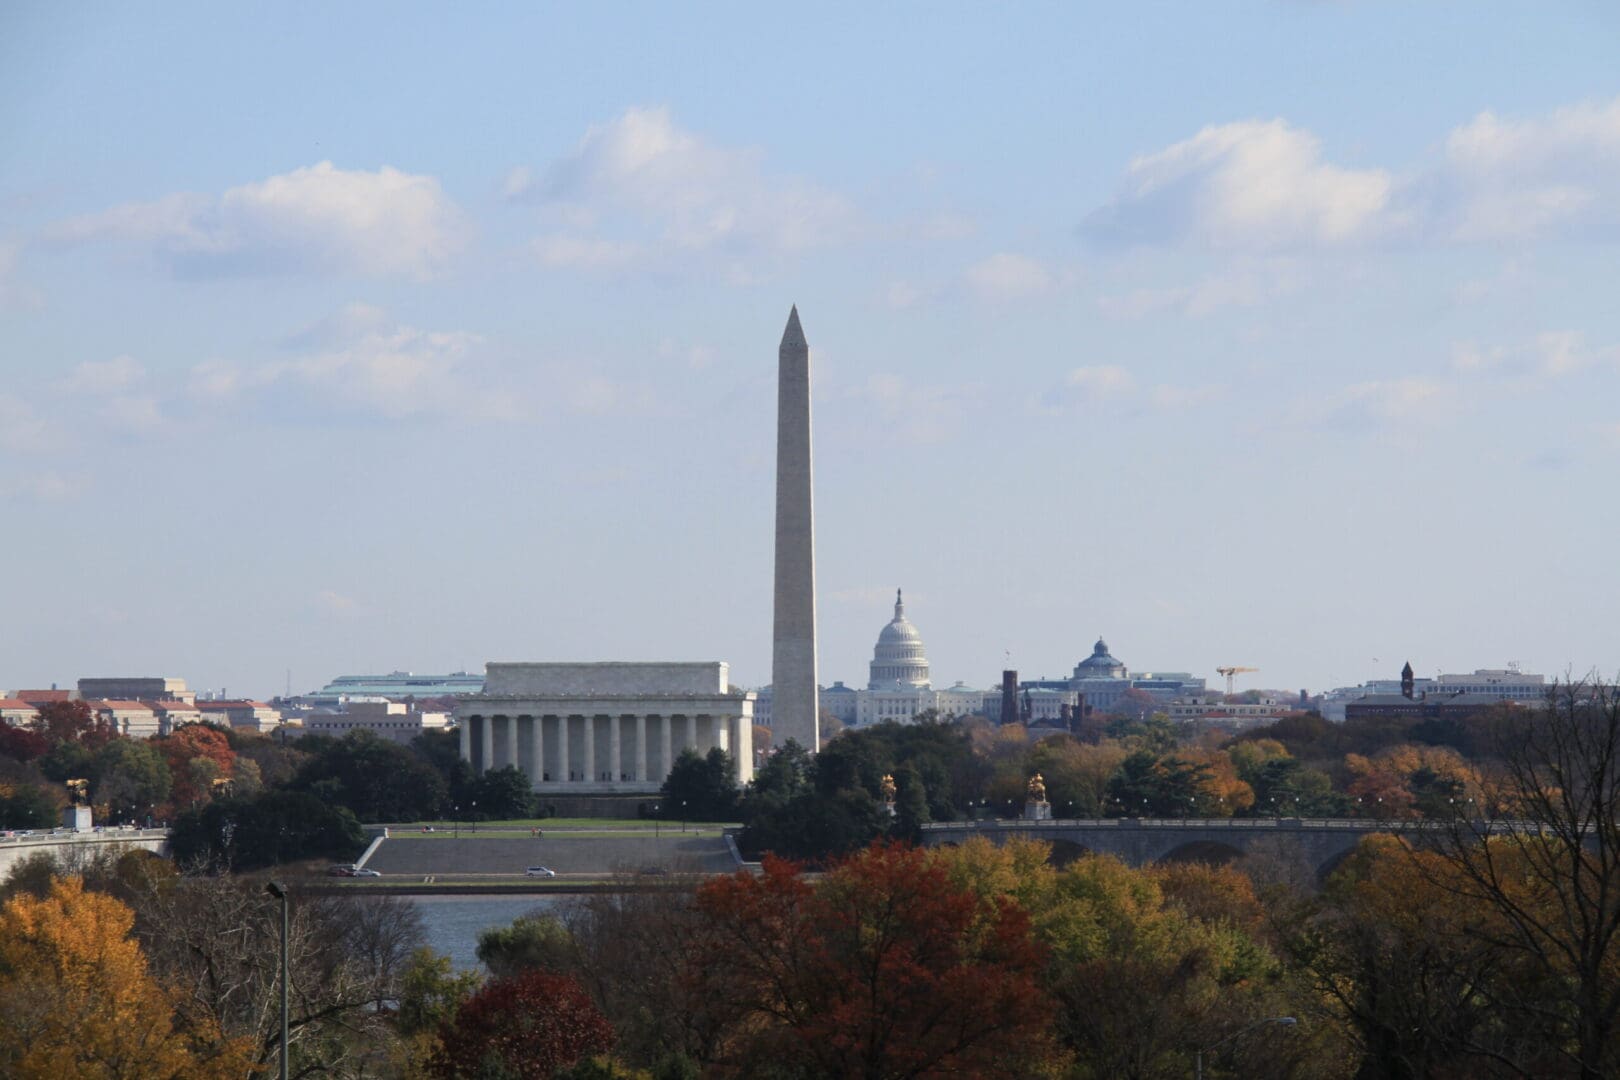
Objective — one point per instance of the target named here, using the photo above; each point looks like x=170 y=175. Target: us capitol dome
x=898 y=662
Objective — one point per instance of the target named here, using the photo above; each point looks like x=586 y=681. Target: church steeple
x=1408 y=684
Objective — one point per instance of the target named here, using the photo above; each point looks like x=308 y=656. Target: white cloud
x=1385 y=403
x=598 y=395
x=99 y=377
x=1264 y=186
x=330 y=602
x=317 y=218
x=21 y=429
x=1517 y=178
x=1247 y=185
x=133 y=414
x=1102 y=381
x=1005 y=276
x=13 y=293
x=367 y=364
x=1551 y=354
x=1217 y=292
x=585 y=252
x=640 y=183
x=47 y=486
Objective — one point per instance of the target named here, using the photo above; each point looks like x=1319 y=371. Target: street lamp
x=475 y=815
x=279 y=891
x=1198 y=1060
x=655 y=821
x=455 y=821
x=683 y=815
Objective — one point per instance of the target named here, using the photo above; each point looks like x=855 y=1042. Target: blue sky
x=1274 y=334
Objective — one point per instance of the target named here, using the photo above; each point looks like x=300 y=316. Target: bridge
x=1320 y=842
x=71 y=849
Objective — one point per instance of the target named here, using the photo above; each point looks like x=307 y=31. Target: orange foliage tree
x=76 y=999
x=197 y=756
x=884 y=969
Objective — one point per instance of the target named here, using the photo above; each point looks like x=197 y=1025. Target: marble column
x=691 y=733
x=562 y=750
x=641 y=746
x=615 y=748
x=589 y=771
x=464 y=730
x=537 y=750
x=488 y=745
x=512 y=742
x=666 y=722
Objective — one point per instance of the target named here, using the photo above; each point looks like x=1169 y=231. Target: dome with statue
x=1099 y=665
x=899 y=662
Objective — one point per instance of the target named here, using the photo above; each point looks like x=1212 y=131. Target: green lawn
x=667 y=832
x=593 y=824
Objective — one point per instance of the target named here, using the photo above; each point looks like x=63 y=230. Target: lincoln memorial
x=605 y=727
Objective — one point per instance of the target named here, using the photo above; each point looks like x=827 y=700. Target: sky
x=358 y=338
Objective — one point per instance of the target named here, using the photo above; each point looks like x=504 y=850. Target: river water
x=453 y=923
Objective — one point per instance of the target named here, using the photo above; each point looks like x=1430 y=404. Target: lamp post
x=1198 y=1059
x=683 y=815
x=655 y=821
x=475 y=815
x=279 y=891
x=455 y=822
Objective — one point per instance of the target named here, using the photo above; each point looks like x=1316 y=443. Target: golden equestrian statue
x=78 y=792
x=887 y=787
x=1037 y=789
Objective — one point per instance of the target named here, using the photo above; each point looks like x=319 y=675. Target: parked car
x=341 y=870
x=540 y=871
x=364 y=872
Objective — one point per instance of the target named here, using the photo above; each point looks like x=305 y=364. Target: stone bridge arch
x=1213 y=852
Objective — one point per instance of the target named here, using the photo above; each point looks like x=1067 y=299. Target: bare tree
x=1549 y=867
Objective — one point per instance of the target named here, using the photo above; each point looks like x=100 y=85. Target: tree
x=27 y=806
x=215 y=941
x=266 y=830
x=70 y=721
x=526 y=1027
x=883 y=969
x=430 y=991
x=197 y=755
x=1550 y=868
x=20 y=744
x=533 y=942
x=376 y=779
x=504 y=793
x=128 y=777
x=76 y=999
x=701 y=788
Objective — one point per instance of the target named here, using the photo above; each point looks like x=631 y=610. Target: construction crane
x=1231 y=671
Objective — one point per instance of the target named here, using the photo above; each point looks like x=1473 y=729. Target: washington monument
x=795 y=713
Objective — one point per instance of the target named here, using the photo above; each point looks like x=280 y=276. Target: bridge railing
x=1359 y=824
x=69 y=836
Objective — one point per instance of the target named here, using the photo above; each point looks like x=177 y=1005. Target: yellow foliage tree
x=76 y=1002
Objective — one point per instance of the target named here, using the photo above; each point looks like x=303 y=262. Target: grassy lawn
x=597 y=825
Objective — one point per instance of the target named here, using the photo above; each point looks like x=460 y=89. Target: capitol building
x=898 y=685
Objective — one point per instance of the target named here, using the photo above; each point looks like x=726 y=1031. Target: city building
x=1103 y=681
x=392 y=720
x=241 y=714
x=140 y=688
x=604 y=728
x=1231 y=714
x=395 y=686
x=132 y=719
x=1484 y=686
x=17 y=712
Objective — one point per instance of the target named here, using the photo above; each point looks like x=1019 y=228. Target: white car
x=363 y=872
x=540 y=871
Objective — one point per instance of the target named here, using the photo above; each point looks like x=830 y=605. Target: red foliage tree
x=70 y=721
x=527 y=1026
x=882 y=970
x=20 y=744
x=197 y=756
